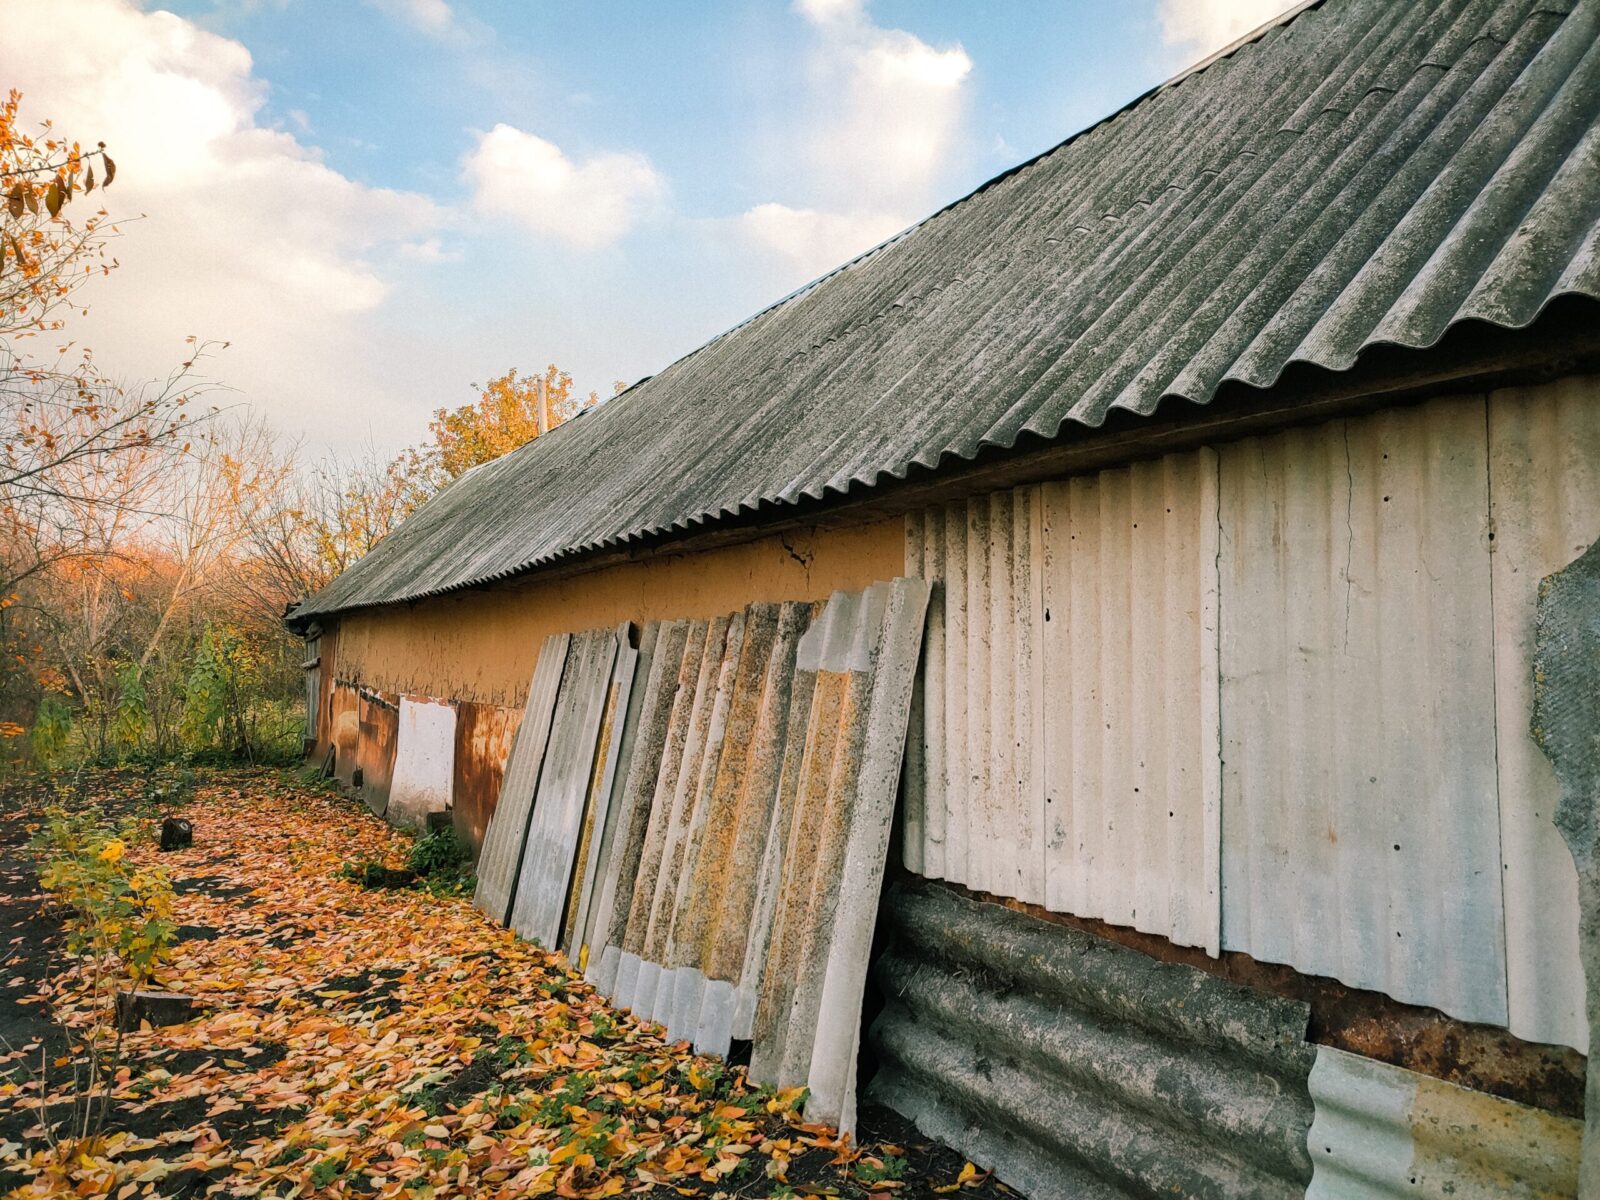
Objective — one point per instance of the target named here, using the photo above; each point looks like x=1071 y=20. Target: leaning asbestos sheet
x=581 y=740
x=508 y=825
x=740 y=885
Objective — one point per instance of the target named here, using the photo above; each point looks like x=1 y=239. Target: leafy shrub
x=133 y=713
x=119 y=914
x=119 y=932
x=440 y=852
x=438 y=861
x=52 y=726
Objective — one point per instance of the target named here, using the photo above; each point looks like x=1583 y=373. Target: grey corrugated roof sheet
x=1367 y=172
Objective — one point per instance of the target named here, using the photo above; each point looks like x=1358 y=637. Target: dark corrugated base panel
x=1367 y=173
x=1077 y=1068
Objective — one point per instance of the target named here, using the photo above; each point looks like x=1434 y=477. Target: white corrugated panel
x=1068 y=744
x=1385 y=1133
x=1544 y=490
x=1133 y=776
x=1360 y=812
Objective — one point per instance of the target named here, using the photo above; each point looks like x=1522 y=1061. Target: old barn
x=1067 y=674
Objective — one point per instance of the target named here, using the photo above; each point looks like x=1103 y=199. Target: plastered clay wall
x=481 y=646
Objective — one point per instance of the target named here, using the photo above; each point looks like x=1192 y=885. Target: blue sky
x=381 y=202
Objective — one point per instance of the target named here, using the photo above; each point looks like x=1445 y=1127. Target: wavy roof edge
x=1578 y=280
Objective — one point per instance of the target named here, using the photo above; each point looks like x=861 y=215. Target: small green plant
x=120 y=931
x=373 y=874
x=325 y=1172
x=439 y=862
x=442 y=861
x=877 y=1170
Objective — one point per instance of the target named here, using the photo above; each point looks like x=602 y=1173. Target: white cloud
x=1200 y=27
x=433 y=17
x=883 y=114
x=885 y=107
x=814 y=241
x=522 y=177
x=248 y=236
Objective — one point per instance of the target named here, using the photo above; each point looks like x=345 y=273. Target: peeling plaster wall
x=482 y=646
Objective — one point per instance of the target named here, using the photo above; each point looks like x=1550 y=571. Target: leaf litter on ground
x=395 y=1043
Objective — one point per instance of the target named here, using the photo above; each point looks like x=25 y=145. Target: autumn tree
x=44 y=255
x=324 y=519
x=511 y=412
x=68 y=435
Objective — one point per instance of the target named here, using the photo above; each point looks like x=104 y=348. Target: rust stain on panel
x=344 y=727
x=484 y=734
x=327 y=650
x=378 y=739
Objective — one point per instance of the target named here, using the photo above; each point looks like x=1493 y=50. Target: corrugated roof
x=1366 y=173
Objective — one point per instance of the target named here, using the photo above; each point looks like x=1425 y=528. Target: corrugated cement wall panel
x=424 y=764
x=1360 y=811
x=1544 y=491
x=614 y=820
x=642 y=754
x=503 y=840
x=864 y=651
x=1384 y=1133
x=770 y=776
x=634 y=987
x=1077 y=1068
x=1066 y=749
x=560 y=799
x=585 y=860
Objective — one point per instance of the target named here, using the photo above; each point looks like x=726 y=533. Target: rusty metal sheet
x=503 y=840
x=378 y=732
x=1544 y=497
x=1075 y=1067
x=555 y=827
x=1361 y=829
x=485 y=734
x=1366 y=173
x=1385 y=1133
x=424 y=764
x=1065 y=748
x=344 y=728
